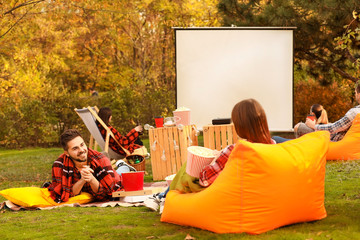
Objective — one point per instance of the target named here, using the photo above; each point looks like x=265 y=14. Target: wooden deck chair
x=89 y=116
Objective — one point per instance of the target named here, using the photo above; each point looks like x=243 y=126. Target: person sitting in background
x=80 y=169
x=130 y=141
x=320 y=116
x=339 y=128
x=250 y=123
x=93 y=92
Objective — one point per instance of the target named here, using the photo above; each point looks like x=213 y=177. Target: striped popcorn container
x=197 y=159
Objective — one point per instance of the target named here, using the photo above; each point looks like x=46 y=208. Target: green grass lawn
x=31 y=167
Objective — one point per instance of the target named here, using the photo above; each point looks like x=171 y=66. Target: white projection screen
x=218 y=67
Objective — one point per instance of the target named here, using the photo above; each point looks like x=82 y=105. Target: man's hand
x=310 y=123
x=139 y=128
x=87 y=174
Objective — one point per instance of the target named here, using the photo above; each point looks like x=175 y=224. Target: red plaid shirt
x=126 y=141
x=65 y=175
x=212 y=171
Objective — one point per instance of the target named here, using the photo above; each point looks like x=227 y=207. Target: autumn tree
x=349 y=41
x=59 y=49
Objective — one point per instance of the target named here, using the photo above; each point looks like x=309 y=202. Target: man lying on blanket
x=81 y=169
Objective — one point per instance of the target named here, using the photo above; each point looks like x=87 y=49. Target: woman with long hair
x=250 y=123
x=318 y=112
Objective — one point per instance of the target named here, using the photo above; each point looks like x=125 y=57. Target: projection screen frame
x=239 y=29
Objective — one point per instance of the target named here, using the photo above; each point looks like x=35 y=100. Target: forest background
x=52 y=52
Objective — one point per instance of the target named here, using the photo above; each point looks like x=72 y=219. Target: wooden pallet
x=219 y=136
x=168 y=149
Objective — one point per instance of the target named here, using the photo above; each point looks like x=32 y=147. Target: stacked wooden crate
x=168 y=148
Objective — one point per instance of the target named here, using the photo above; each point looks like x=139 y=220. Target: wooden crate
x=168 y=149
x=219 y=136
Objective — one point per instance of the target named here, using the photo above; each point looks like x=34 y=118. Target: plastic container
x=133 y=181
x=123 y=169
x=159 y=122
x=197 y=159
x=184 y=116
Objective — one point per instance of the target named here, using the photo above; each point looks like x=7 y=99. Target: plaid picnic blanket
x=157 y=186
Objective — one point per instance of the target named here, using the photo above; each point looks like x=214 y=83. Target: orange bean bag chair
x=347 y=148
x=262 y=187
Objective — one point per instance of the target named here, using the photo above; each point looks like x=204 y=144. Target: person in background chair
x=319 y=114
x=339 y=128
x=130 y=141
x=93 y=92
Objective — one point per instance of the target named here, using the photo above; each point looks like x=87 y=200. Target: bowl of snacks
x=197 y=158
x=171 y=121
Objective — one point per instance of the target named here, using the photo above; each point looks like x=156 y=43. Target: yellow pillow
x=262 y=187
x=39 y=197
x=347 y=148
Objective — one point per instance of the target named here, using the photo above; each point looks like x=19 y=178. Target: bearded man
x=80 y=169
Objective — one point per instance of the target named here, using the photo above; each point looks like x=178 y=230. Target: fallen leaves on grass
x=188 y=237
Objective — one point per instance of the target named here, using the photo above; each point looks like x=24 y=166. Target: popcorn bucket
x=197 y=159
x=184 y=115
x=133 y=181
x=311 y=117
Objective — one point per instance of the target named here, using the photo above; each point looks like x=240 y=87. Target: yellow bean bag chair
x=34 y=197
x=347 y=148
x=262 y=187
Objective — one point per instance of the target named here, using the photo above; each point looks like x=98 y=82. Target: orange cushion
x=347 y=148
x=262 y=187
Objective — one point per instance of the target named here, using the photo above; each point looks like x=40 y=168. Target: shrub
x=40 y=121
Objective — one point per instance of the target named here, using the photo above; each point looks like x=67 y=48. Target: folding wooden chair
x=89 y=116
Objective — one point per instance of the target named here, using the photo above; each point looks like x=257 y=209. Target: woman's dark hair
x=105 y=114
x=317 y=109
x=320 y=114
x=250 y=121
x=67 y=136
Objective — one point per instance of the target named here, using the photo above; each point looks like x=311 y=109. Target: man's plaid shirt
x=339 y=128
x=65 y=175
